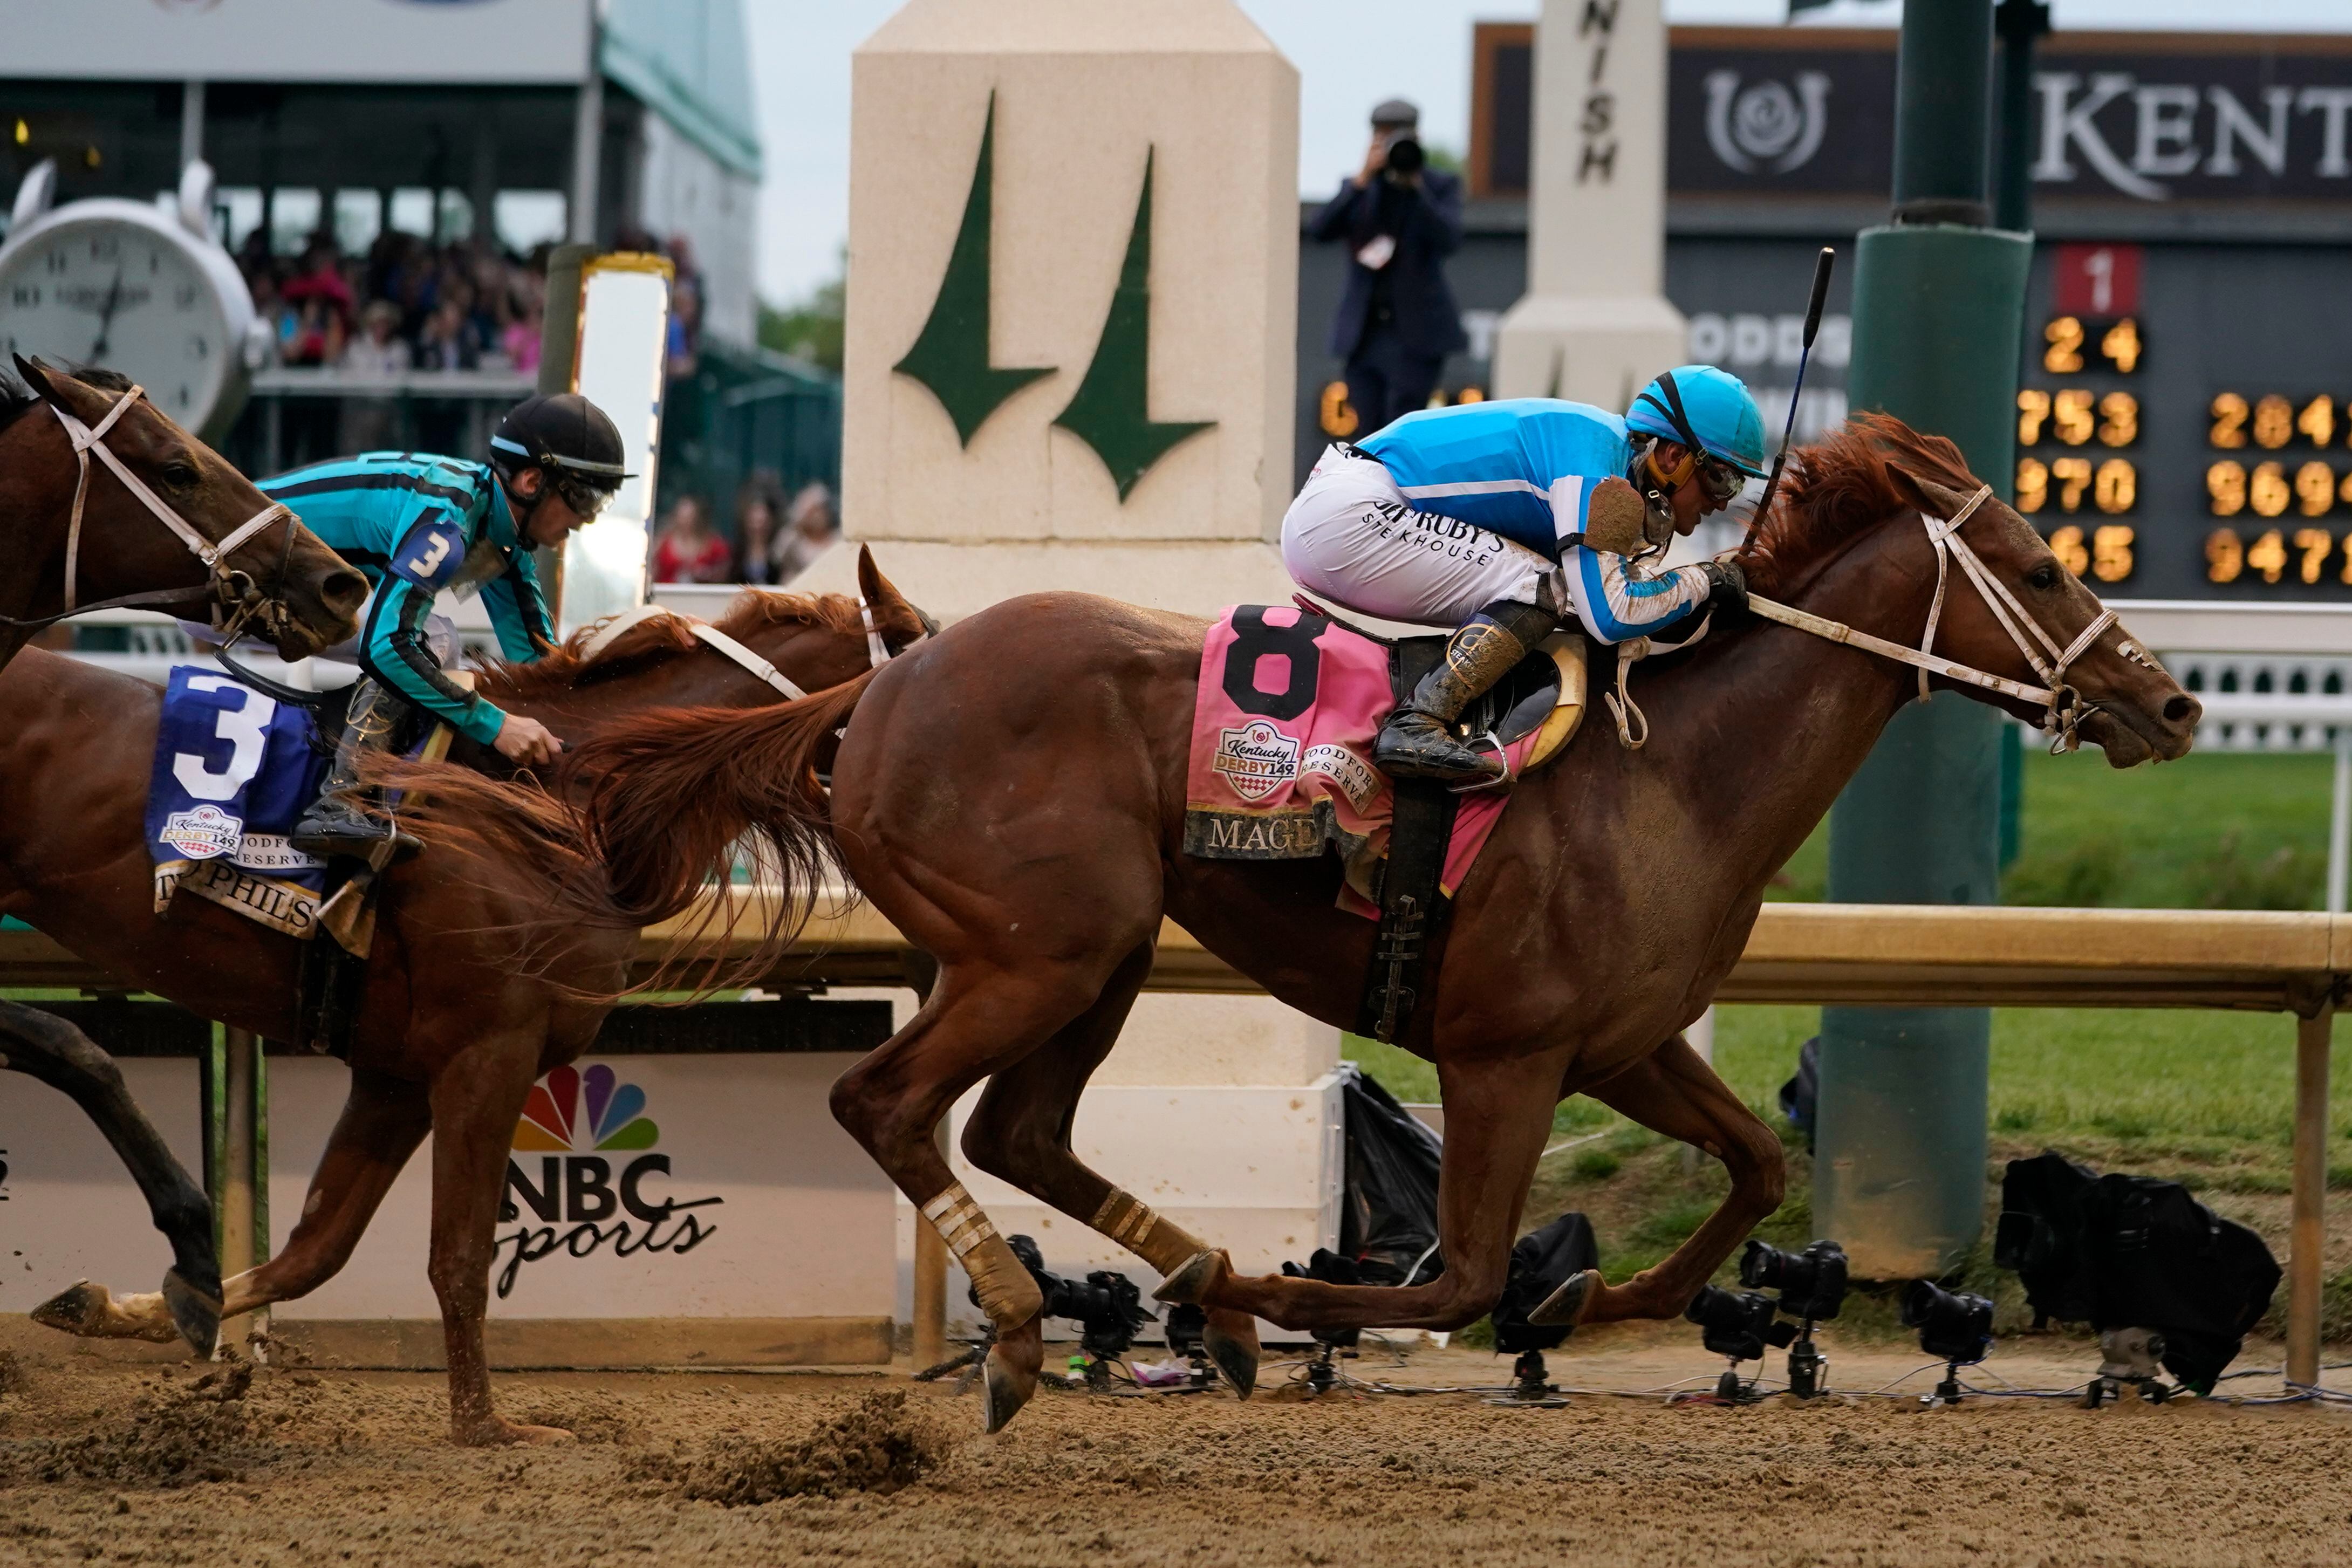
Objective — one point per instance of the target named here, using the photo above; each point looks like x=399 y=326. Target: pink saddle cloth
x=1281 y=765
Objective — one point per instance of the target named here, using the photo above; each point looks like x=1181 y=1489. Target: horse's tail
x=638 y=823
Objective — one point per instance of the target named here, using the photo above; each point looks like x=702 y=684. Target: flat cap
x=1396 y=111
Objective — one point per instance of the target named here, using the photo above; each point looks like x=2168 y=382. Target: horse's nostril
x=2183 y=709
x=343 y=590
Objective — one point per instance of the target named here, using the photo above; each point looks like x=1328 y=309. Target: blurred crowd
x=410 y=304
x=771 y=541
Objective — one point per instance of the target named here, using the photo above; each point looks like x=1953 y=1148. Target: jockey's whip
x=1812 y=326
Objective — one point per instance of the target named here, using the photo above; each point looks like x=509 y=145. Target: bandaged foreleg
x=1006 y=1292
x=1129 y=1221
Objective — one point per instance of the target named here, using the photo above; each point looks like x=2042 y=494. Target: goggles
x=582 y=496
x=1720 y=480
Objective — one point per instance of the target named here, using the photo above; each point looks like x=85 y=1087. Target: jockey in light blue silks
x=1503 y=518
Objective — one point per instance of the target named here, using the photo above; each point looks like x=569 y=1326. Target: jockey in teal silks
x=418 y=525
x=1503 y=518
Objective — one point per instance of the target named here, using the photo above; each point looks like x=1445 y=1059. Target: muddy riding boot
x=338 y=822
x=1418 y=741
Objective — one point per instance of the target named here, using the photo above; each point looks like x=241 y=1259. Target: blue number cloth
x=234 y=770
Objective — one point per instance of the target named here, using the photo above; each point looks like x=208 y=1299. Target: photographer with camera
x=1397 y=322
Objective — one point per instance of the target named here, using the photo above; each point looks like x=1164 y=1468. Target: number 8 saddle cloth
x=1288 y=704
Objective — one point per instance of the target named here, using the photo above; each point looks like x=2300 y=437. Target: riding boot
x=1418 y=741
x=338 y=822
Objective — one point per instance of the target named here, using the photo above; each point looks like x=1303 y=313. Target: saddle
x=1543 y=696
x=330 y=975
x=1289 y=701
x=1544 y=692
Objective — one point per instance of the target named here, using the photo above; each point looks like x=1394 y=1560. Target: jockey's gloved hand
x=1726 y=585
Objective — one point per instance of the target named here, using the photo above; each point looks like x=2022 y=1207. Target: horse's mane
x=17 y=400
x=1839 y=487
x=569 y=665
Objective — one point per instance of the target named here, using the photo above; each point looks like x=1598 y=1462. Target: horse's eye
x=2043 y=578
x=180 y=475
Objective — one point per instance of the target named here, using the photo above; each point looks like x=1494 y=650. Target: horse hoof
x=1568 y=1304
x=196 y=1315
x=1190 y=1284
x=1231 y=1339
x=1009 y=1375
x=498 y=1432
x=78 y=1308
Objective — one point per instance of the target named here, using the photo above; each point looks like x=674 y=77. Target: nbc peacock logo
x=575 y=1122
x=616 y=1118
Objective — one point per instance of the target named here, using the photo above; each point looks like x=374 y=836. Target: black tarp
x=1388 y=1210
x=2128 y=1252
x=1541 y=1262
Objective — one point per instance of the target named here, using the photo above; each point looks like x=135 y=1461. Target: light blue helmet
x=1705 y=409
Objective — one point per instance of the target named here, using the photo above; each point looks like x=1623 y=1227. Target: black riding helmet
x=570 y=439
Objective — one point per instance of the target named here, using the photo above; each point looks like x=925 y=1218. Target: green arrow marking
x=950 y=357
x=1109 y=414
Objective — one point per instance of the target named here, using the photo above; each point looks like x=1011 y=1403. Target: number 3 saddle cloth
x=1281 y=766
x=235 y=770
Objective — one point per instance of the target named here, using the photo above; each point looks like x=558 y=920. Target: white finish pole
x=1701 y=1035
x=192 y=123
x=1594 y=324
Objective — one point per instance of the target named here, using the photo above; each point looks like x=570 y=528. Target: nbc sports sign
x=660 y=1187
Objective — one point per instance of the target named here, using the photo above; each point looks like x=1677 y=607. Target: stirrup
x=1502 y=780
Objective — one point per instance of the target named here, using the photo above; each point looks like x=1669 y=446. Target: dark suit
x=1396 y=324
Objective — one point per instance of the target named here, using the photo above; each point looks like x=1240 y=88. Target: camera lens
x=1763 y=1267
x=1405 y=155
x=1953 y=1324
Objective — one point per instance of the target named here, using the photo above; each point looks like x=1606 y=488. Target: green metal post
x=2019 y=23
x=1938 y=306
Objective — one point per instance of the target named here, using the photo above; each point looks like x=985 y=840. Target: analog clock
x=136 y=287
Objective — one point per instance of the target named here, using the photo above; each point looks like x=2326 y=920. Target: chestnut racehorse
x=1011 y=796
x=458 y=1017
x=279 y=576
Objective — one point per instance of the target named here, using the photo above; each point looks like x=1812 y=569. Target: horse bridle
x=232 y=590
x=877 y=651
x=2063 y=709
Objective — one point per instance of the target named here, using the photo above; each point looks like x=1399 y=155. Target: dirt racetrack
x=101 y=1461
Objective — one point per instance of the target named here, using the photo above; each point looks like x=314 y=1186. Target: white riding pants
x=1352 y=539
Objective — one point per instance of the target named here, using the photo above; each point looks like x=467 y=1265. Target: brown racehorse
x=457 y=1017
x=125 y=549
x=1011 y=796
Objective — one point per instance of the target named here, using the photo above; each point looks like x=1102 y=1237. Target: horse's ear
x=1923 y=495
x=900 y=622
x=36 y=375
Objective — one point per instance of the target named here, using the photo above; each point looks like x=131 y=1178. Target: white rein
x=877 y=651
x=2063 y=706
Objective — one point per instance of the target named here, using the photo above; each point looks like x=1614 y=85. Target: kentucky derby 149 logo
x=203 y=833
x=574 y=1121
x=1255 y=759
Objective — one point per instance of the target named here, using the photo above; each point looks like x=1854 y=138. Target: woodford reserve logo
x=580 y=1124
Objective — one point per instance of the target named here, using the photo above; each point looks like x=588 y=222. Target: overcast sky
x=1350 y=54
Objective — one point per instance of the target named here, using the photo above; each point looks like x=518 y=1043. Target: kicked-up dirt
x=102 y=1462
